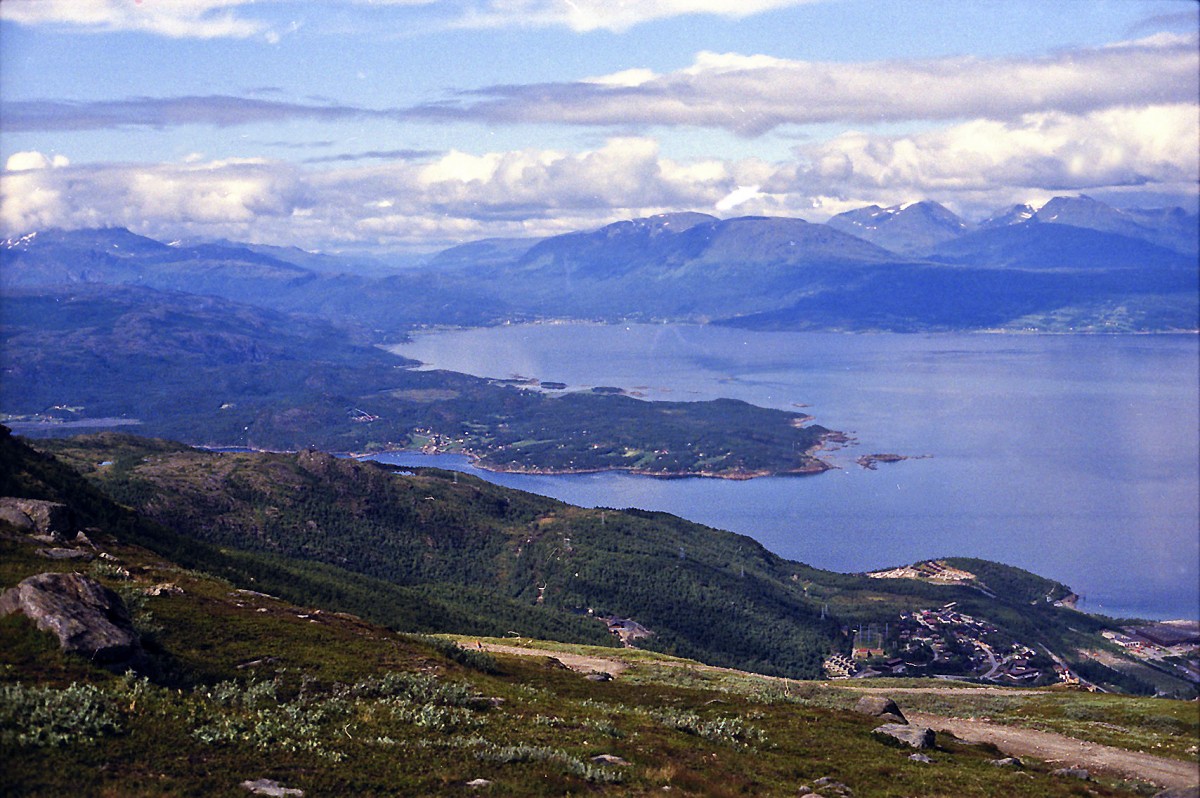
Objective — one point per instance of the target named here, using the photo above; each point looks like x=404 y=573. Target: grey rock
x=271 y=788
x=1075 y=773
x=37 y=517
x=916 y=736
x=66 y=554
x=920 y=758
x=86 y=617
x=830 y=788
x=880 y=707
x=609 y=759
x=1006 y=762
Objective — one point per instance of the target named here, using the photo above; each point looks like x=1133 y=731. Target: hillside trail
x=576 y=662
x=1052 y=748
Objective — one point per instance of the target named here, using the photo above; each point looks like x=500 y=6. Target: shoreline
x=814 y=467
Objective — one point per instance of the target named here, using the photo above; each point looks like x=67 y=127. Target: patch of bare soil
x=576 y=662
x=1054 y=749
x=1066 y=751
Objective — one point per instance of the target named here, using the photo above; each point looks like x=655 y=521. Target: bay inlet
x=1072 y=456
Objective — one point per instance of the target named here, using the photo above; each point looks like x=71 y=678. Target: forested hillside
x=499 y=558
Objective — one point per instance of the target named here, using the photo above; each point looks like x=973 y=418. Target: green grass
x=254 y=687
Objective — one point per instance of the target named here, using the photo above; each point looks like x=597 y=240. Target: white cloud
x=610 y=15
x=752 y=94
x=974 y=167
x=178 y=19
x=628 y=78
x=31 y=159
x=1108 y=147
x=739 y=196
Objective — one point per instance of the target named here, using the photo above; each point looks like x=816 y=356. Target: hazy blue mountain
x=1037 y=245
x=1173 y=228
x=1014 y=214
x=117 y=256
x=783 y=272
x=485 y=252
x=387 y=301
x=908 y=229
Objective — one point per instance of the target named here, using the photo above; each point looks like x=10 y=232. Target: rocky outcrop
x=916 y=736
x=272 y=788
x=40 y=518
x=880 y=707
x=86 y=617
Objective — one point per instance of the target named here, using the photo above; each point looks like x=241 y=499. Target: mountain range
x=1074 y=264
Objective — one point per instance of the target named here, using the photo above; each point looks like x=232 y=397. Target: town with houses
x=942 y=641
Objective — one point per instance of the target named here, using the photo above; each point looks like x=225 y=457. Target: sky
x=413 y=125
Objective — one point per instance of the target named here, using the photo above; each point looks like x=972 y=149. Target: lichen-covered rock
x=58 y=553
x=86 y=617
x=272 y=788
x=37 y=517
x=916 y=736
x=826 y=787
x=880 y=707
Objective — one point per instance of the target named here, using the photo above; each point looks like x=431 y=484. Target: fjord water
x=1072 y=456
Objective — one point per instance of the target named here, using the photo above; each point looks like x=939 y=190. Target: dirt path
x=1054 y=749
x=576 y=662
x=975 y=691
x=1062 y=751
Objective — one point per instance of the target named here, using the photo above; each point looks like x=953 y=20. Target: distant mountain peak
x=909 y=228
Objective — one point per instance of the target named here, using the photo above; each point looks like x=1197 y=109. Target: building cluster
x=1171 y=644
x=943 y=641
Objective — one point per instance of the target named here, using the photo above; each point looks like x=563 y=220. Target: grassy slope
x=335 y=705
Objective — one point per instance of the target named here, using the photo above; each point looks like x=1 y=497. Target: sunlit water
x=1073 y=456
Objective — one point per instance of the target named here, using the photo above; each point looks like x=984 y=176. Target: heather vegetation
x=246 y=678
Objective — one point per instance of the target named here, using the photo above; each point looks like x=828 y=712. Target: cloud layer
x=413 y=197
x=751 y=95
x=176 y=19
x=210 y=19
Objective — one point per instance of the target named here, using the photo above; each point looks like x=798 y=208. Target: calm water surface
x=1072 y=456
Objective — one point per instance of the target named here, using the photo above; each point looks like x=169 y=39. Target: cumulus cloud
x=1054 y=150
x=31 y=159
x=752 y=94
x=234 y=193
x=177 y=19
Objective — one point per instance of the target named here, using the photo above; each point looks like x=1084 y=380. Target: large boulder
x=37 y=517
x=878 y=706
x=86 y=617
x=916 y=736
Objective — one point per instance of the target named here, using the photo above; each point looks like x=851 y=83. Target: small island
x=871 y=461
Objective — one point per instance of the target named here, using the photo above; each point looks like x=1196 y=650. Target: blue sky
x=402 y=124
